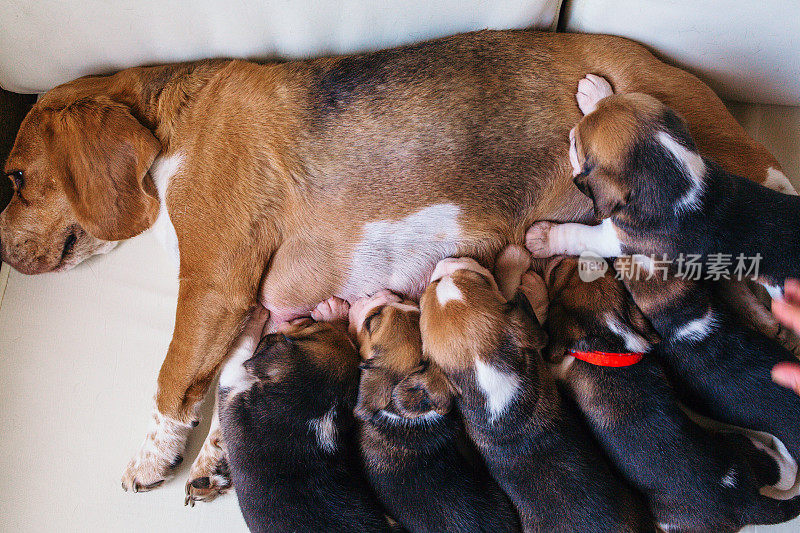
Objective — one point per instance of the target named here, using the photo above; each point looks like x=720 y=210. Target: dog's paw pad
x=331 y=310
x=537 y=239
x=591 y=90
x=207 y=488
x=210 y=475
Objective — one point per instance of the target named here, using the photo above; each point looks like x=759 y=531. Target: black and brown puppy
x=635 y=158
x=719 y=365
x=410 y=433
x=696 y=480
x=533 y=441
x=285 y=413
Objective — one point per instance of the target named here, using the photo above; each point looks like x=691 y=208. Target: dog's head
x=309 y=367
x=465 y=320
x=628 y=139
x=395 y=380
x=592 y=315
x=79 y=168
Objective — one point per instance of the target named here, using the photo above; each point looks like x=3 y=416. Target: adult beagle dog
x=283 y=184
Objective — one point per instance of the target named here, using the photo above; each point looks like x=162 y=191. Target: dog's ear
x=272 y=359
x=535 y=336
x=608 y=194
x=424 y=391
x=104 y=155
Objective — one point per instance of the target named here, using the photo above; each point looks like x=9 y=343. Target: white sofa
x=80 y=351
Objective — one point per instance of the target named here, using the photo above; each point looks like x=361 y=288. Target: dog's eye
x=17 y=179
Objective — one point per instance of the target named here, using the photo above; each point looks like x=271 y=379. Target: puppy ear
x=105 y=154
x=536 y=336
x=424 y=391
x=272 y=358
x=608 y=195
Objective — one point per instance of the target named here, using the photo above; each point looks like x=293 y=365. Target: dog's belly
x=384 y=254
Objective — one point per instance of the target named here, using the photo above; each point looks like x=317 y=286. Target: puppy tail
x=766 y=510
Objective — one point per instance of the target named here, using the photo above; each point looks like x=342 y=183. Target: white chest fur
x=162 y=172
x=400 y=255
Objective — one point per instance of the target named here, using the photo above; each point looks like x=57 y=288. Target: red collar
x=608 y=358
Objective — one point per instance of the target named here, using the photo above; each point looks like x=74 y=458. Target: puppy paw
x=512 y=262
x=364 y=306
x=331 y=310
x=591 y=90
x=158 y=455
x=210 y=475
x=537 y=239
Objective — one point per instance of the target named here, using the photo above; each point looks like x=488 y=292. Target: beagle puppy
x=719 y=365
x=635 y=158
x=532 y=438
x=410 y=434
x=695 y=480
x=286 y=412
x=401 y=157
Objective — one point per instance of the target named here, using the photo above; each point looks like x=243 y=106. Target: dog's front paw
x=537 y=239
x=158 y=455
x=591 y=90
x=210 y=475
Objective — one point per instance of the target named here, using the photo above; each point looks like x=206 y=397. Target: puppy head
x=394 y=378
x=623 y=142
x=315 y=363
x=597 y=315
x=465 y=319
x=80 y=168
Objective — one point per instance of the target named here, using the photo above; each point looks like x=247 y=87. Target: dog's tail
x=766 y=510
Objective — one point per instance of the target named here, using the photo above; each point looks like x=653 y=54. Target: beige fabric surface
x=79 y=356
x=747 y=50
x=48 y=42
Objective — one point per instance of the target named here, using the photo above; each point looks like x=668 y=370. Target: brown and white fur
x=531 y=437
x=399 y=157
x=411 y=438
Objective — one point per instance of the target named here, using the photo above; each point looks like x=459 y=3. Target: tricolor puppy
x=635 y=158
x=533 y=441
x=285 y=413
x=696 y=480
x=719 y=365
x=410 y=434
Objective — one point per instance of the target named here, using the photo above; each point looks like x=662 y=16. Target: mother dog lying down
x=289 y=183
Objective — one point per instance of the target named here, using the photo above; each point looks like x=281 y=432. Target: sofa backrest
x=44 y=43
x=747 y=50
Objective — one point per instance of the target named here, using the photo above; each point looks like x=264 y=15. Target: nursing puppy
x=285 y=415
x=409 y=435
x=696 y=480
x=719 y=366
x=533 y=441
x=635 y=158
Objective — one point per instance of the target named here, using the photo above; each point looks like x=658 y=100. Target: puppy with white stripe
x=532 y=439
x=694 y=479
x=286 y=414
x=410 y=434
x=655 y=194
x=719 y=366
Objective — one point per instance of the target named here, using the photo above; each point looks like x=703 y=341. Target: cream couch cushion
x=48 y=42
x=747 y=50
